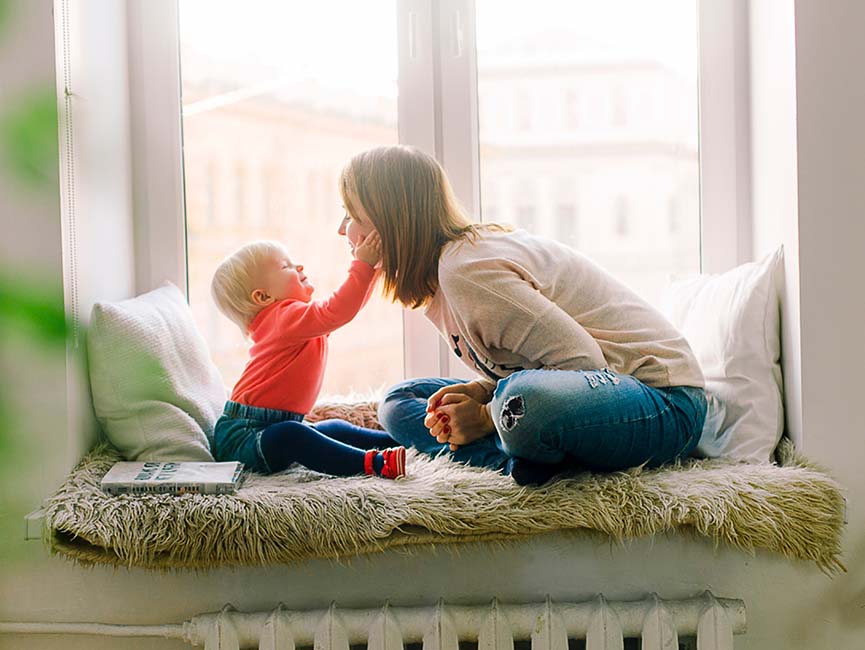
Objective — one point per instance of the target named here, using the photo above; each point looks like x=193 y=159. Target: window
x=472 y=128
x=285 y=98
x=270 y=192
x=565 y=216
x=490 y=193
x=566 y=224
x=526 y=217
x=525 y=197
x=619 y=108
x=599 y=54
x=523 y=111
x=673 y=215
x=620 y=217
x=239 y=180
x=210 y=195
x=571 y=111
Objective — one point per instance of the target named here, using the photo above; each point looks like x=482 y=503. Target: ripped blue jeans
x=592 y=419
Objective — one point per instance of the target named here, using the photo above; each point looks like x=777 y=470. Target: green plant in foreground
x=28 y=138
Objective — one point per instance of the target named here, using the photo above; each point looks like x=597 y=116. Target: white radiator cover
x=494 y=626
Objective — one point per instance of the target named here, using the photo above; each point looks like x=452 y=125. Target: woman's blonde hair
x=411 y=204
x=236 y=278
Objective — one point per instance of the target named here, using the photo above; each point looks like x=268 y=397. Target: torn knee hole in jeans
x=602 y=376
x=512 y=410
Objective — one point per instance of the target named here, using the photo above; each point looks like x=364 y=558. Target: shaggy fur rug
x=791 y=508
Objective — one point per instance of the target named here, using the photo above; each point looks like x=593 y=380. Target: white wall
x=96 y=206
x=830 y=93
x=808 y=166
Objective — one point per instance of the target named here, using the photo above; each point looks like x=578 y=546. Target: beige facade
x=263 y=169
x=602 y=157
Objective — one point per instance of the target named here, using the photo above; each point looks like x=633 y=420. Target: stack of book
x=173 y=478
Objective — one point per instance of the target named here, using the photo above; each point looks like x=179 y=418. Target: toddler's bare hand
x=369 y=250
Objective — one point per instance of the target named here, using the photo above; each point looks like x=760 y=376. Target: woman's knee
x=511 y=398
x=392 y=407
x=406 y=401
x=517 y=412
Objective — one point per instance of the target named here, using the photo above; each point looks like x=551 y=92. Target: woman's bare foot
x=529 y=472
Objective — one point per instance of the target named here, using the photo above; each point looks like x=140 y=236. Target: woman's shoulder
x=491 y=245
x=478 y=242
x=462 y=253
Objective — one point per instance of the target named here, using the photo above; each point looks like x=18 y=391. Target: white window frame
x=438 y=113
x=726 y=230
x=156 y=140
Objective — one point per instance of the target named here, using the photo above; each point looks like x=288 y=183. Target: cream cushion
x=732 y=321
x=156 y=392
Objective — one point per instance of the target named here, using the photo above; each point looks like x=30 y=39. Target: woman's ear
x=260 y=297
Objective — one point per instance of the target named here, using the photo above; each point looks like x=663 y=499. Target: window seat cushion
x=790 y=508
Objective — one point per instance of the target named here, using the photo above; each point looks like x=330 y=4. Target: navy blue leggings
x=332 y=447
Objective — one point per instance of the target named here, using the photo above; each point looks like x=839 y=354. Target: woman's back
x=518 y=300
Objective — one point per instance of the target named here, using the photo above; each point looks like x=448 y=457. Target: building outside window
x=566 y=224
x=601 y=54
x=620 y=217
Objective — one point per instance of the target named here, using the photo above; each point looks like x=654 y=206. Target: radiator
x=602 y=624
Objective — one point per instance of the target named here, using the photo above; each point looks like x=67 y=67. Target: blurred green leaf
x=5 y=12
x=28 y=137
x=34 y=309
x=5 y=443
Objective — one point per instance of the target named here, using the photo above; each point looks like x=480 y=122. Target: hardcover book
x=172 y=478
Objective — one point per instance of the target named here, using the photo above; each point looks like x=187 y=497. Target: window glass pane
x=588 y=129
x=276 y=98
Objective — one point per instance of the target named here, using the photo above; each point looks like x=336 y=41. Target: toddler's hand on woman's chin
x=369 y=249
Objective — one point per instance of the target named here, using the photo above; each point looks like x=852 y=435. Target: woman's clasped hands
x=458 y=414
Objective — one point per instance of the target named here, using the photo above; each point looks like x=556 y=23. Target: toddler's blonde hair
x=236 y=278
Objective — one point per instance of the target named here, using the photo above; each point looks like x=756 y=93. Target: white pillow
x=732 y=321
x=156 y=392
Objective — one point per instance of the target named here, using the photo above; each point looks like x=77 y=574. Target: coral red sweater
x=289 y=350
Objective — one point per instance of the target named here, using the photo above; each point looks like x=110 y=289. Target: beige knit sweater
x=512 y=301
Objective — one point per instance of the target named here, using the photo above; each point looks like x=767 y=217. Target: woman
x=577 y=371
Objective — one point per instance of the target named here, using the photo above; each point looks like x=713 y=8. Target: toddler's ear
x=259 y=297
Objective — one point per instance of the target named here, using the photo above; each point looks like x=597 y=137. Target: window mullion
x=725 y=192
x=418 y=103
x=459 y=154
x=459 y=100
x=155 y=125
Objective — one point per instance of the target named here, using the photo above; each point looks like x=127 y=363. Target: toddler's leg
x=351 y=434
x=294 y=442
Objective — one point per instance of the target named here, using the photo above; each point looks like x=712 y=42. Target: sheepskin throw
x=791 y=508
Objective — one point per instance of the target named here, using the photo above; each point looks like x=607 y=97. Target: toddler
x=269 y=297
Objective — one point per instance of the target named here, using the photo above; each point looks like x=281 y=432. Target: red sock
x=368 y=458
